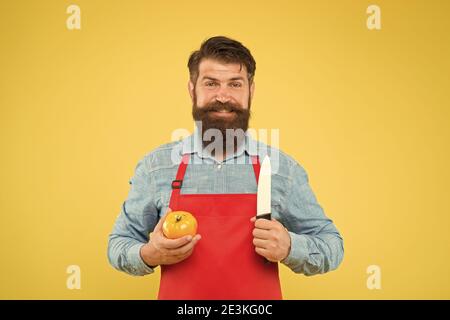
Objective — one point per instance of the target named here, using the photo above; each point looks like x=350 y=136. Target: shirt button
x=219 y=166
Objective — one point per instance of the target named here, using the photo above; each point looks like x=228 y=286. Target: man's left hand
x=271 y=239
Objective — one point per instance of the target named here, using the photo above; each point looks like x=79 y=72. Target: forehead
x=221 y=70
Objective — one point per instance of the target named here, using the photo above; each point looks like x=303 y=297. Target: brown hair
x=225 y=50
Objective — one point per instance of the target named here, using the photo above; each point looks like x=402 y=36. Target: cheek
x=242 y=98
x=203 y=97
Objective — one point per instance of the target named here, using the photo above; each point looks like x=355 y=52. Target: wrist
x=288 y=251
x=148 y=254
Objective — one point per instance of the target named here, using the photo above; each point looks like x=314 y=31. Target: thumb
x=160 y=223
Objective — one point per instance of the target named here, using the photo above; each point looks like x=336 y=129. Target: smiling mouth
x=222 y=113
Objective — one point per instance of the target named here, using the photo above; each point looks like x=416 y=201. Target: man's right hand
x=161 y=250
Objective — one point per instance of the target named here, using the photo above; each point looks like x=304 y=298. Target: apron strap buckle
x=176 y=184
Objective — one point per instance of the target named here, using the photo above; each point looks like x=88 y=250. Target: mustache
x=219 y=106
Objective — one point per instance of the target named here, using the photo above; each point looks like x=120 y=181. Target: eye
x=210 y=83
x=236 y=84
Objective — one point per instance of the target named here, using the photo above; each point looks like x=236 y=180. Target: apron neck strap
x=256 y=167
x=178 y=182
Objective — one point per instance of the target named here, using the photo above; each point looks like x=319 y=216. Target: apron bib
x=224 y=264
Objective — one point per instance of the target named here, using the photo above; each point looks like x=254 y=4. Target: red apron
x=224 y=264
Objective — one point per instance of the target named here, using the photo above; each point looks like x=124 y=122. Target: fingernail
x=189 y=238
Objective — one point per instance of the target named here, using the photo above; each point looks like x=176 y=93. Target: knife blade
x=263 y=207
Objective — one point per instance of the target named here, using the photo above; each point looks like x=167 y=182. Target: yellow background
x=365 y=112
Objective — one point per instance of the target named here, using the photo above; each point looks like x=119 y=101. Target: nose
x=222 y=95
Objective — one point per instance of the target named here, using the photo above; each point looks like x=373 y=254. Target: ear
x=252 y=89
x=191 y=89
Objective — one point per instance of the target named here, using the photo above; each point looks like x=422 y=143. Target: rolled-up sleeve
x=137 y=218
x=316 y=244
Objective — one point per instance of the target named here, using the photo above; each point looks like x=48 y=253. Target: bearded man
x=213 y=174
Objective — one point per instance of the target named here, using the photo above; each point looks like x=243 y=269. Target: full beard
x=230 y=126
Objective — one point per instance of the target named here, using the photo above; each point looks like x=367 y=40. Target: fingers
x=186 y=248
x=262 y=252
x=185 y=251
x=261 y=234
x=179 y=258
x=266 y=254
x=174 y=243
x=263 y=228
x=260 y=243
x=172 y=256
x=266 y=224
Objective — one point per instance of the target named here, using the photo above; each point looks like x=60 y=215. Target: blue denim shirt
x=316 y=245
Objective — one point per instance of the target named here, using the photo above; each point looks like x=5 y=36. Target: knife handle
x=266 y=216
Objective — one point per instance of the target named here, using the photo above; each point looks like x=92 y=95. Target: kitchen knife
x=263 y=207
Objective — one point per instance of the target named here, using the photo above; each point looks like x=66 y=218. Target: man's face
x=221 y=96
